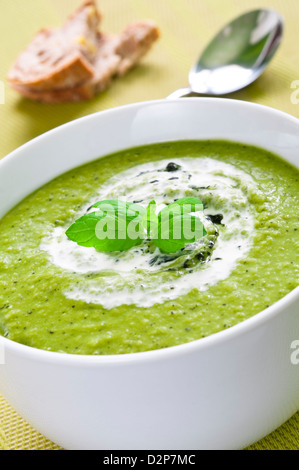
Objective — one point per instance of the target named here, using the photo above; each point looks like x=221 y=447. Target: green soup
x=57 y=296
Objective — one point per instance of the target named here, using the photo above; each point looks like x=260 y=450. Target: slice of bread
x=134 y=42
x=76 y=62
x=60 y=58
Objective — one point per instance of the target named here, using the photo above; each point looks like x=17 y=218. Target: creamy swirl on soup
x=143 y=275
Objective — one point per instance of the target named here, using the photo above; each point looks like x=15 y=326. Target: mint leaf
x=119 y=225
x=178 y=231
x=176 y=227
x=116 y=226
x=117 y=206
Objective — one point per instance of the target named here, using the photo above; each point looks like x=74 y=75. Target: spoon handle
x=181 y=93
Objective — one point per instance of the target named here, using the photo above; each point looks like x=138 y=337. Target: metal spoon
x=237 y=56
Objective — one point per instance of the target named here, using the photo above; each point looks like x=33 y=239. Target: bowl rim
x=202 y=344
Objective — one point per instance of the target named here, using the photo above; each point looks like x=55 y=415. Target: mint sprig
x=119 y=225
x=116 y=226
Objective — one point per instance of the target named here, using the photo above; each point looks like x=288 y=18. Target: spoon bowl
x=237 y=55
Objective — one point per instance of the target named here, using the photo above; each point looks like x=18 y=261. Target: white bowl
x=221 y=392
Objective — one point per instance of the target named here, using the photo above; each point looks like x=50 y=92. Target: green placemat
x=186 y=27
